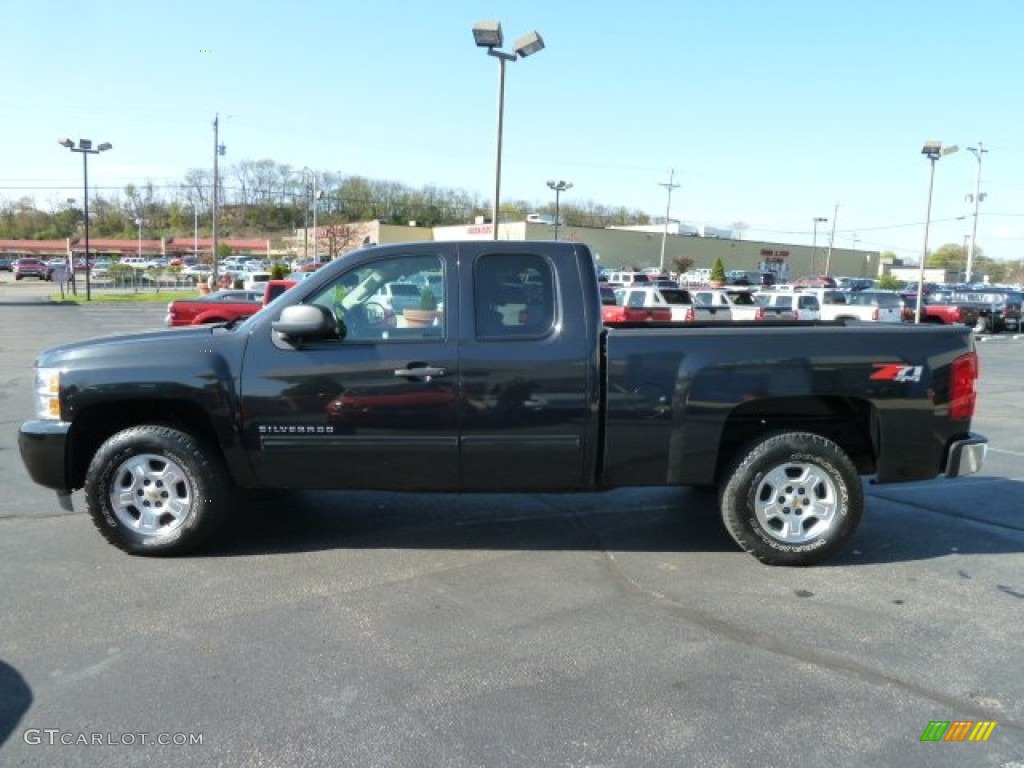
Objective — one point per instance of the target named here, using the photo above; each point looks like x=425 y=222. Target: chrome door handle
x=423 y=372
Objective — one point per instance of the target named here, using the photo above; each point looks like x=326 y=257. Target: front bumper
x=966 y=456
x=44 y=450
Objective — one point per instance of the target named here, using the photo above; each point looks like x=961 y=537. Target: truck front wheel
x=154 y=490
x=792 y=498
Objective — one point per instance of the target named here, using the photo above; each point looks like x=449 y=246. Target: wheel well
x=848 y=422
x=93 y=426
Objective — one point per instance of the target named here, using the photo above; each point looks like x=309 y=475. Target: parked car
x=6 y=265
x=398 y=297
x=138 y=262
x=855 y=283
x=626 y=277
x=254 y=281
x=749 y=277
x=816 y=281
x=196 y=272
x=31 y=267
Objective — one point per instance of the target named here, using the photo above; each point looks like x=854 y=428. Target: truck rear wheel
x=154 y=490
x=792 y=498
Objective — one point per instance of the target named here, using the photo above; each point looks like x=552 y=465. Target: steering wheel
x=374 y=313
x=361 y=320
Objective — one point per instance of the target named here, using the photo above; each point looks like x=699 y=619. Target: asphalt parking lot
x=619 y=629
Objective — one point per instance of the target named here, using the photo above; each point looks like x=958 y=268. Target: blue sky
x=770 y=113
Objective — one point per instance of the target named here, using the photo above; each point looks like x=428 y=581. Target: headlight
x=48 y=393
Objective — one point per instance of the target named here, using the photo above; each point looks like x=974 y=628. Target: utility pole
x=977 y=151
x=668 y=207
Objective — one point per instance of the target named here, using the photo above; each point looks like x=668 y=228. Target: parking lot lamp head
x=559 y=187
x=488 y=34
x=933 y=150
x=85 y=148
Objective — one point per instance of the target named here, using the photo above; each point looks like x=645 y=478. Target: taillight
x=759 y=314
x=796 y=314
x=962 y=393
x=876 y=314
x=690 y=316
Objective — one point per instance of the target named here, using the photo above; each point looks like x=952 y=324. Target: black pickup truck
x=506 y=380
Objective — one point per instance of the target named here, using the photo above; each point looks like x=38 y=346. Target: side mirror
x=306 y=322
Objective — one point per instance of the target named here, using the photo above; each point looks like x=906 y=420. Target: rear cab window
x=514 y=296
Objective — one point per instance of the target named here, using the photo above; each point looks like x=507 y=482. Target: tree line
x=266 y=198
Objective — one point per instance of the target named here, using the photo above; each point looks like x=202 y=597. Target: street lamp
x=933 y=150
x=140 y=222
x=487 y=34
x=85 y=149
x=668 y=208
x=317 y=195
x=977 y=151
x=814 y=247
x=559 y=187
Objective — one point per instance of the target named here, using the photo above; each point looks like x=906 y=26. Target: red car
x=216 y=307
x=816 y=281
x=31 y=267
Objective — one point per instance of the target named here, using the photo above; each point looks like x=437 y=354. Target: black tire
x=792 y=498
x=154 y=490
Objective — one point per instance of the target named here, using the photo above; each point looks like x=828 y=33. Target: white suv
x=138 y=262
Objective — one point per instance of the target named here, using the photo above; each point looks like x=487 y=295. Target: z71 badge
x=897 y=372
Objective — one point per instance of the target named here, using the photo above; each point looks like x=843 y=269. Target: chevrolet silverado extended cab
x=515 y=385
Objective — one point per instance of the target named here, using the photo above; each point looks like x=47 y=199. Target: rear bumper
x=966 y=456
x=43 y=446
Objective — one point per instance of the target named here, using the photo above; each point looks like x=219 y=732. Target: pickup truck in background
x=226 y=306
x=788 y=305
x=678 y=301
x=517 y=385
x=618 y=311
x=739 y=302
x=998 y=309
x=218 y=307
x=943 y=311
x=876 y=306
x=838 y=305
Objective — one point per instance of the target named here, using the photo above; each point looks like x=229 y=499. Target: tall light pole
x=559 y=187
x=977 y=151
x=139 y=222
x=933 y=150
x=85 y=148
x=831 y=241
x=668 y=207
x=317 y=194
x=306 y=194
x=487 y=34
x=814 y=244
